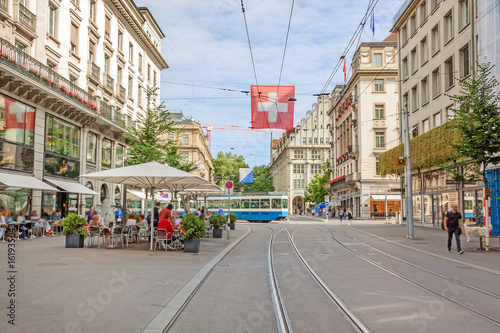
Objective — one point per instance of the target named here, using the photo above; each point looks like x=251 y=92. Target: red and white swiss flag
x=271 y=107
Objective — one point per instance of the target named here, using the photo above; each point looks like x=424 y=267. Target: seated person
x=41 y=224
x=131 y=220
x=21 y=220
x=178 y=221
x=96 y=223
x=143 y=224
x=165 y=224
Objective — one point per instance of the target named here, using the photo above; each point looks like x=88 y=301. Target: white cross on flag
x=271 y=107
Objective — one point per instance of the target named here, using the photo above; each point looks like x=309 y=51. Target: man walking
x=452 y=224
x=156 y=214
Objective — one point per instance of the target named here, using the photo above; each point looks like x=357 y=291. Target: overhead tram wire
x=249 y=45
x=283 y=58
x=357 y=32
x=286 y=43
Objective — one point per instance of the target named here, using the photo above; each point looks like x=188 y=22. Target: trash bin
x=398 y=216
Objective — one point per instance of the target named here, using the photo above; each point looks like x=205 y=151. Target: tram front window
x=276 y=203
x=285 y=203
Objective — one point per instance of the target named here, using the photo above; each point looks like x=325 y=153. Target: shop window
x=106 y=153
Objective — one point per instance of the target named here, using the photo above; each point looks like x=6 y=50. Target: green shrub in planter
x=232 y=217
x=74 y=225
x=74 y=230
x=193 y=227
x=217 y=221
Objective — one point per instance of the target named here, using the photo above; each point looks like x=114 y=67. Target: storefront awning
x=390 y=197
x=18 y=181
x=71 y=187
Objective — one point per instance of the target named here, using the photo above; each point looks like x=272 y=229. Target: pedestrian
x=349 y=217
x=452 y=224
x=91 y=213
x=341 y=215
x=156 y=216
x=119 y=215
x=221 y=211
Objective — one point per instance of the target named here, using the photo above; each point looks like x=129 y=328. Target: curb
x=166 y=317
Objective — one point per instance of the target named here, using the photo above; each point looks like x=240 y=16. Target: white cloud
x=206 y=45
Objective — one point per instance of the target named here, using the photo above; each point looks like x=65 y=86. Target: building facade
x=72 y=76
x=365 y=123
x=299 y=154
x=438 y=42
x=193 y=145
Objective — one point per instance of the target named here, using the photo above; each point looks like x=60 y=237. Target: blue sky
x=206 y=45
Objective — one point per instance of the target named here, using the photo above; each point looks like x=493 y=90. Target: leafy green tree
x=315 y=190
x=477 y=119
x=146 y=140
x=262 y=181
x=227 y=167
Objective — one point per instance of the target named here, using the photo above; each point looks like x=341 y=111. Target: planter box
x=231 y=225
x=74 y=241
x=192 y=245
x=217 y=233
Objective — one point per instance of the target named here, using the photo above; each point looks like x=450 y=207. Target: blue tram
x=252 y=208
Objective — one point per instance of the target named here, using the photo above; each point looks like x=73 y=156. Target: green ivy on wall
x=428 y=150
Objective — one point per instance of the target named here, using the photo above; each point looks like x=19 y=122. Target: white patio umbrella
x=151 y=176
x=203 y=191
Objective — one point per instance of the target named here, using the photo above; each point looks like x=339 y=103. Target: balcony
x=333 y=184
x=31 y=79
x=353 y=151
x=121 y=92
x=353 y=177
x=25 y=21
x=4 y=9
x=93 y=73
x=108 y=83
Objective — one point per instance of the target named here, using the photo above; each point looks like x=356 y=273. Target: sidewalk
x=430 y=241
x=96 y=289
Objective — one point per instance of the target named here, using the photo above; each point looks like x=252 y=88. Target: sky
x=207 y=50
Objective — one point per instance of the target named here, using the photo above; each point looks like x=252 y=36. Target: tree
x=226 y=167
x=146 y=140
x=262 y=181
x=478 y=120
x=315 y=190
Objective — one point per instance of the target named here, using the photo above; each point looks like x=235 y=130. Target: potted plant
x=74 y=230
x=217 y=221
x=194 y=228
x=232 y=219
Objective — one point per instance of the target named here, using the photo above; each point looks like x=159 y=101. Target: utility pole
x=409 y=197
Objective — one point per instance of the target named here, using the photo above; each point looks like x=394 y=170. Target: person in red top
x=166 y=213
x=165 y=224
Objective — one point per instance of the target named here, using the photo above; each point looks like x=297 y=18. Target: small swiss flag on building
x=271 y=107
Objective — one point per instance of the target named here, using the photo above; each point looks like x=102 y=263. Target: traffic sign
x=228 y=184
x=327 y=204
x=327 y=198
x=402 y=160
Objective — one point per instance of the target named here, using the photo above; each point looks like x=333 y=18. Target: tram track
x=456 y=281
x=284 y=324
x=412 y=281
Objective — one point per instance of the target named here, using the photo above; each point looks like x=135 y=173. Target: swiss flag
x=271 y=107
x=18 y=116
